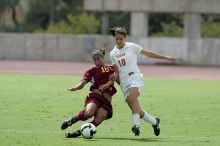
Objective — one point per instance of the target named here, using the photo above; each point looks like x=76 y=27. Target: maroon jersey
x=99 y=76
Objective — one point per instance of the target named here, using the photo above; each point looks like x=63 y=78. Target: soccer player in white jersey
x=124 y=58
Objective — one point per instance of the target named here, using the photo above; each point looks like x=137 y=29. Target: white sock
x=136 y=119
x=147 y=117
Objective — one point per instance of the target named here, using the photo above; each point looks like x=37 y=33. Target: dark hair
x=117 y=30
x=99 y=51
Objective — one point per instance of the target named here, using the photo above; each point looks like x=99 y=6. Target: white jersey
x=126 y=61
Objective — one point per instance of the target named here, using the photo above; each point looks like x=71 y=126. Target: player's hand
x=113 y=77
x=103 y=87
x=171 y=59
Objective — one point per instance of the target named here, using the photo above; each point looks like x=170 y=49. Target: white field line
x=116 y=134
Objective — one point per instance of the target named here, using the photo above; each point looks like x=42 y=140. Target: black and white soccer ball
x=88 y=130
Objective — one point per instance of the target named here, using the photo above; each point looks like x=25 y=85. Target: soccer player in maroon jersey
x=98 y=102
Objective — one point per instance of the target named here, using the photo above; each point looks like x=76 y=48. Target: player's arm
x=79 y=86
x=154 y=55
x=106 y=85
x=115 y=77
x=112 y=78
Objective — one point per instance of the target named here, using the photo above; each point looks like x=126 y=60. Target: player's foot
x=68 y=123
x=73 y=134
x=135 y=129
x=156 y=127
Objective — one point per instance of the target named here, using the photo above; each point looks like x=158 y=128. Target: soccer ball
x=88 y=130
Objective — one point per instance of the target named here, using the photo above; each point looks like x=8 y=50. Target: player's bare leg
x=83 y=115
x=135 y=108
x=100 y=116
x=139 y=113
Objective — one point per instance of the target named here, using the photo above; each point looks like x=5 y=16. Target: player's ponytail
x=117 y=30
x=112 y=31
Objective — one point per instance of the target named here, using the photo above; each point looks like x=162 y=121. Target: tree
x=210 y=26
x=121 y=19
x=38 y=15
x=10 y=4
x=170 y=29
x=43 y=13
x=162 y=24
x=3 y=5
x=76 y=24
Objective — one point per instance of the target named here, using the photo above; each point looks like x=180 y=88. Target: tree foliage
x=210 y=26
x=75 y=24
x=10 y=4
x=68 y=16
x=170 y=29
x=38 y=15
x=164 y=24
x=43 y=13
x=3 y=5
x=121 y=19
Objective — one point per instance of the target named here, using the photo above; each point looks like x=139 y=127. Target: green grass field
x=32 y=109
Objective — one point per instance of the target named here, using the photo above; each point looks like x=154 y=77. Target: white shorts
x=135 y=80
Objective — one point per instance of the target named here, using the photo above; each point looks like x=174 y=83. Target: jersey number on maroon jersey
x=105 y=69
x=122 y=62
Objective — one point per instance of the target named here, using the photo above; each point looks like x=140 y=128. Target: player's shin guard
x=136 y=119
x=80 y=116
x=148 y=118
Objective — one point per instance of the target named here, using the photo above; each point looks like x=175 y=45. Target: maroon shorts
x=100 y=101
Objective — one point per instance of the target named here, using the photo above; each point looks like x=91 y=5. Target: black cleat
x=135 y=129
x=73 y=134
x=68 y=123
x=156 y=127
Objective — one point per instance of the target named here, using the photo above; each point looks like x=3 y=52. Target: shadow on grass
x=133 y=139
x=156 y=140
x=159 y=139
x=120 y=139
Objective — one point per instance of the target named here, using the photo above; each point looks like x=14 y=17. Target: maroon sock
x=94 y=123
x=80 y=116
